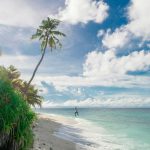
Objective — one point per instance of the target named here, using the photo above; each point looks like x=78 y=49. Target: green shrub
x=16 y=118
x=12 y=75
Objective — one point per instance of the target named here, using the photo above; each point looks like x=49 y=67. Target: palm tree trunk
x=36 y=68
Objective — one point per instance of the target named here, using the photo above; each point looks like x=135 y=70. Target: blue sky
x=105 y=59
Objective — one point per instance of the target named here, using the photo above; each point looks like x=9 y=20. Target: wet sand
x=45 y=139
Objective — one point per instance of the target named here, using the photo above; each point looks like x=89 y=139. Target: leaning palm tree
x=48 y=35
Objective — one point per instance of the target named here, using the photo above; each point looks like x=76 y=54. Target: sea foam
x=99 y=134
x=86 y=135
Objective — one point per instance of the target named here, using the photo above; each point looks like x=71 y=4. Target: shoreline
x=44 y=135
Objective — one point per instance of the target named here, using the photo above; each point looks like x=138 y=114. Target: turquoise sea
x=106 y=129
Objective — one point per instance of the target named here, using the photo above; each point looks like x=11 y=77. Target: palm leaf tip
x=58 y=33
x=34 y=36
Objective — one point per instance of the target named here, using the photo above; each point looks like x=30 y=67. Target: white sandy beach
x=56 y=132
x=44 y=135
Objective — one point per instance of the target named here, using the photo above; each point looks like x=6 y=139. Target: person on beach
x=76 y=112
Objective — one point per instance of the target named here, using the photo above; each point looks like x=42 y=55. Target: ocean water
x=105 y=129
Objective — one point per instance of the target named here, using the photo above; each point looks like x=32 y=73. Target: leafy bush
x=16 y=118
x=13 y=75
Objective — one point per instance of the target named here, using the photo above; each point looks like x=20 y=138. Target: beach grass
x=16 y=118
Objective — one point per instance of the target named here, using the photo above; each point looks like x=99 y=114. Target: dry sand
x=45 y=138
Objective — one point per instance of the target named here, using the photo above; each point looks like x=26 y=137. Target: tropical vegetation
x=31 y=96
x=16 y=116
x=17 y=96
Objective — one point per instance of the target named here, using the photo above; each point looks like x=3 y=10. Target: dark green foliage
x=16 y=118
x=13 y=75
x=48 y=34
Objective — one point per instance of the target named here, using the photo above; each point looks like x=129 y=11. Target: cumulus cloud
x=116 y=101
x=107 y=69
x=100 y=64
x=116 y=39
x=139 y=22
x=137 y=27
x=22 y=13
x=106 y=81
x=99 y=69
x=100 y=33
x=83 y=11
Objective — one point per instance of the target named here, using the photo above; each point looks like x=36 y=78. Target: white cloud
x=106 y=69
x=107 y=81
x=22 y=13
x=22 y=62
x=60 y=88
x=100 y=33
x=99 y=69
x=139 y=22
x=137 y=27
x=117 y=39
x=116 y=101
x=101 y=64
x=83 y=11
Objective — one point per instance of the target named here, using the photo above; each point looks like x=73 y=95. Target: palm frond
x=47 y=30
x=58 y=33
x=13 y=75
x=43 y=44
x=52 y=42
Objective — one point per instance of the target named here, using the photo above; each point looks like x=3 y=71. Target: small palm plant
x=32 y=96
x=12 y=75
x=48 y=35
